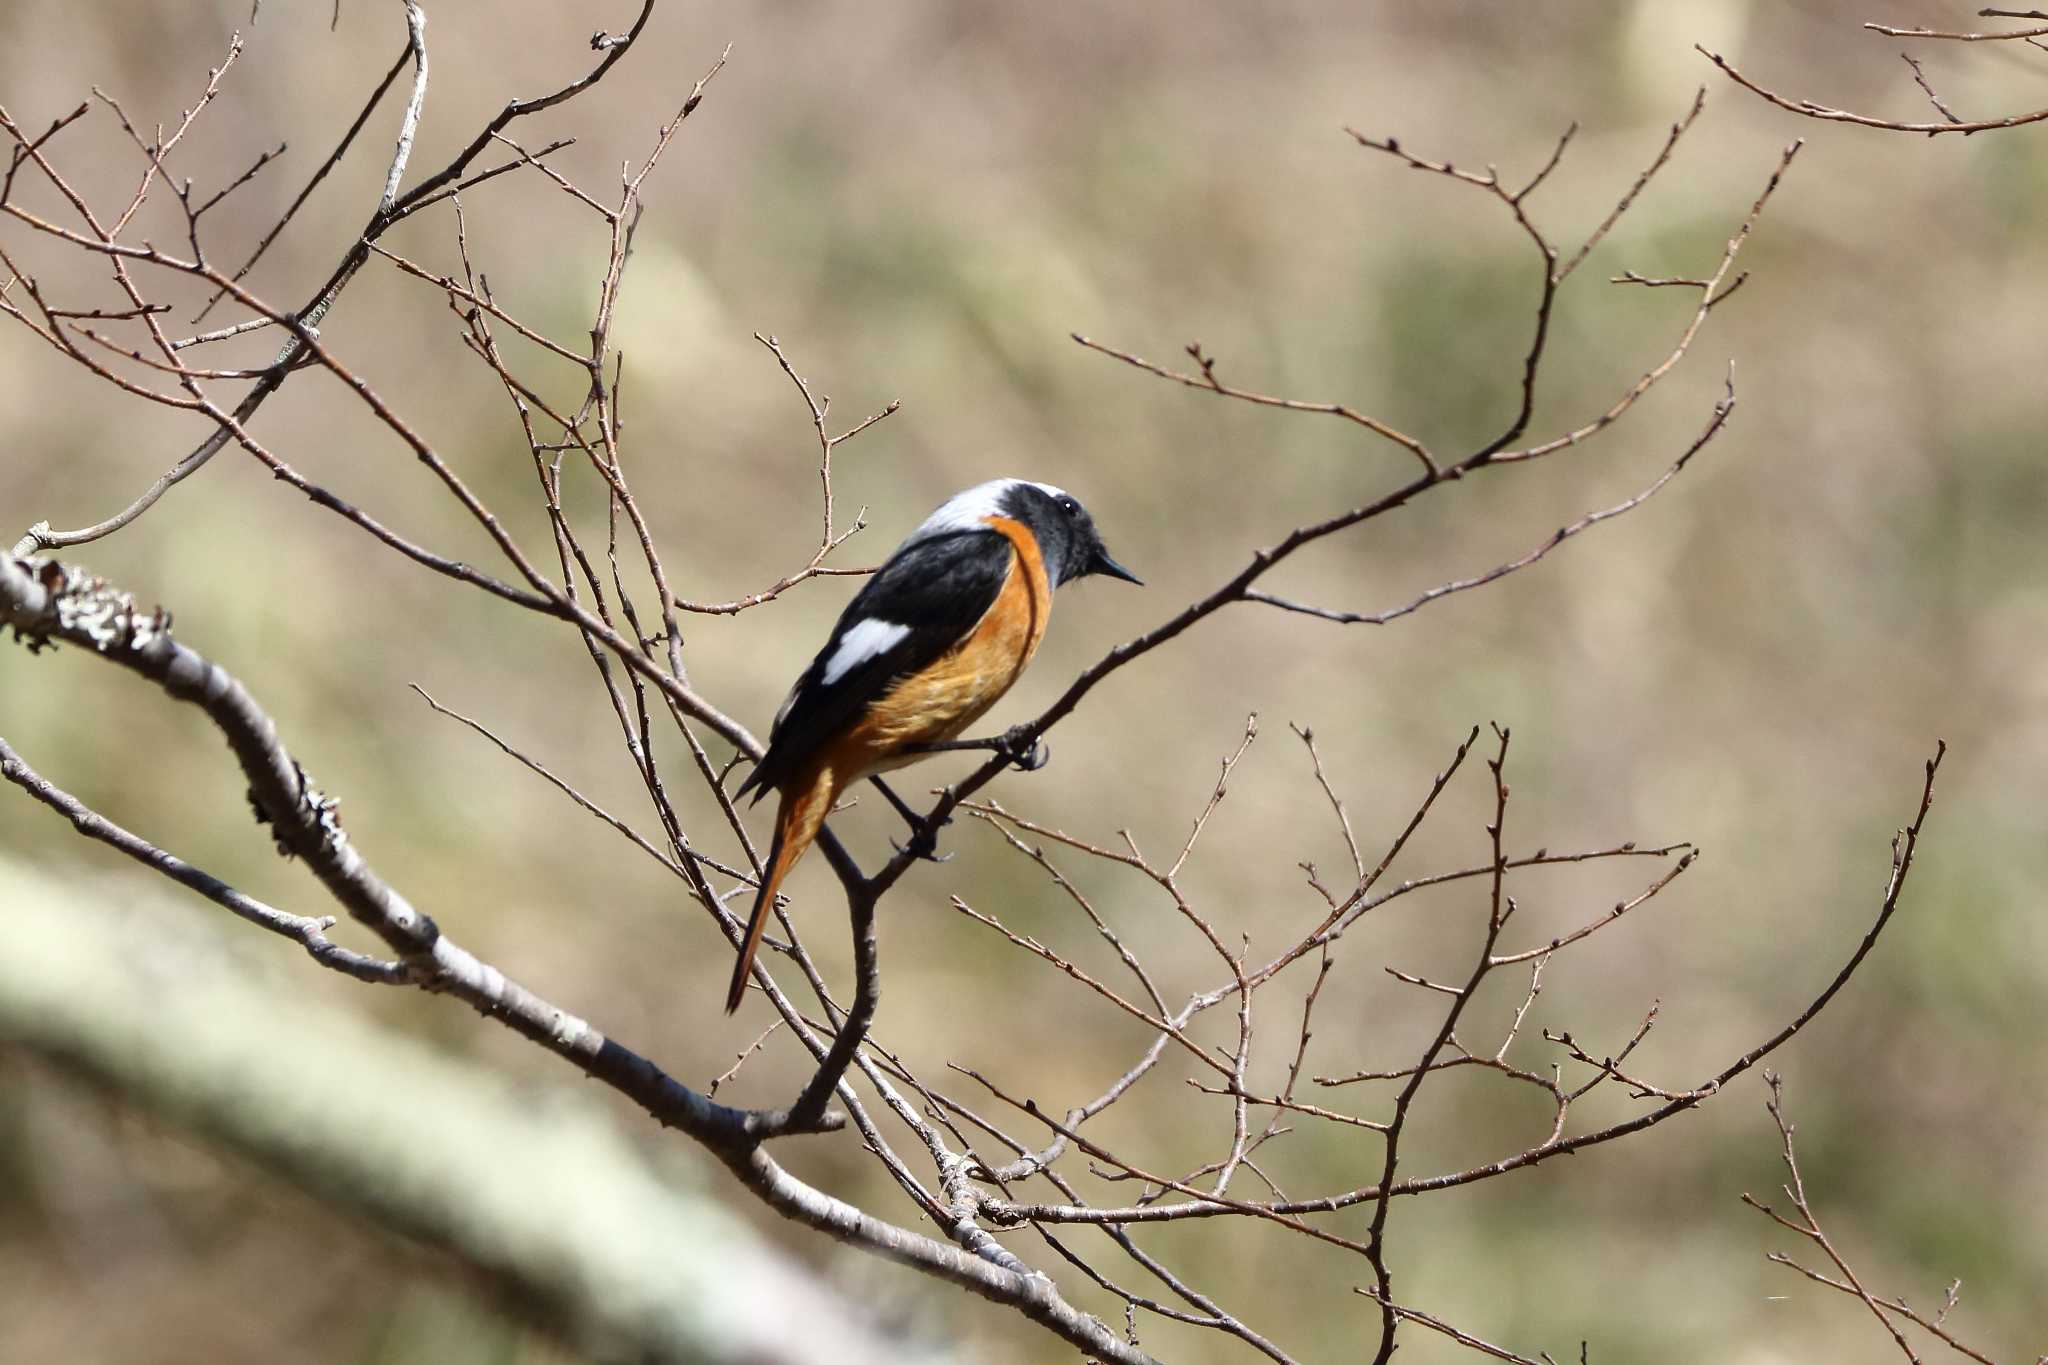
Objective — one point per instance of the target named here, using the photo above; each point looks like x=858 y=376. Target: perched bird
x=929 y=644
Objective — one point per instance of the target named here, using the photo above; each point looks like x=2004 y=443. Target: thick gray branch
x=46 y=602
x=547 y=1197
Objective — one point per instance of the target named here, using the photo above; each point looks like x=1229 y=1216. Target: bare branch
x=1207 y=380
x=409 y=121
x=1621 y=908
x=607 y=557
x=1808 y=1225
x=310 y=934
x=1815 y=110
x=1434 y=1324
x=1904 y=848
x=1920 y=79
x=334 y=158
x=1722 y=411
x=1642 y=181
x=43 y=602
x=2008 y=35
x=1376 y=1246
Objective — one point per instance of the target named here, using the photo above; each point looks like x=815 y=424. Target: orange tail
x=804 y=804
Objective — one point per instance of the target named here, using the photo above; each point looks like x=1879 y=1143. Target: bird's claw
x=1019 y=746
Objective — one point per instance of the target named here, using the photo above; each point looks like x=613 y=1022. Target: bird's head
x=1066 y=534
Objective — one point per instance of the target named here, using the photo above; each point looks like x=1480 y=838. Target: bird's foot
x=1019 y=746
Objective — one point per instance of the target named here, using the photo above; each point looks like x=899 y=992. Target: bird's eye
x=1069 y=505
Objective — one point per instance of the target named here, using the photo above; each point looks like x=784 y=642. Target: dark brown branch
x=1493 y=453
x=1376 y=1236
x=1722 y=410
x=518 y=109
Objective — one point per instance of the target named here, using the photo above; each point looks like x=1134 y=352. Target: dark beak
x=1100 y=562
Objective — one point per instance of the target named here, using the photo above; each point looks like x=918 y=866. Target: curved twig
x=1829 y=114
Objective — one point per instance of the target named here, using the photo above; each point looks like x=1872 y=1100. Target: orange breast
x=941 y=700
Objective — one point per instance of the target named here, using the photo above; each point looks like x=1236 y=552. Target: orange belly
x=940 y=701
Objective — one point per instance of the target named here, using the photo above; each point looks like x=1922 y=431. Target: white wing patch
x=862 y=641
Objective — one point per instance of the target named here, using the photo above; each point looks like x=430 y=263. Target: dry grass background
x=922 y=201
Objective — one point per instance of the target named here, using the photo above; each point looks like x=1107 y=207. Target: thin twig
x=1814 y=110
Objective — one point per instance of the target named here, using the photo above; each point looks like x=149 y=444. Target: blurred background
x=922 y=202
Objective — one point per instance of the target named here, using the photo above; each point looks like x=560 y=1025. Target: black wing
x=937 y=588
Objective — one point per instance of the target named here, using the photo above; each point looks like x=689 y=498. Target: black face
x=1066 y=534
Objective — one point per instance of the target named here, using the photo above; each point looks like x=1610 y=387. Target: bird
x=926 y=647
